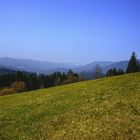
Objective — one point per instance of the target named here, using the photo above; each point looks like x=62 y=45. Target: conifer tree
x=133 y=64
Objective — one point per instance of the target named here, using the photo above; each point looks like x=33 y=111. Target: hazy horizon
x=76 y=31
x=65 y=62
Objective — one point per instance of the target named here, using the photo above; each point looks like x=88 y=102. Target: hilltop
x=107 y=108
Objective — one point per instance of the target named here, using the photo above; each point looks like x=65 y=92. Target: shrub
x=7 y=91
x=19 y=86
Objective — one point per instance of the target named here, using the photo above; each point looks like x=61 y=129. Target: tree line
x=25 y=81
x=133 y=66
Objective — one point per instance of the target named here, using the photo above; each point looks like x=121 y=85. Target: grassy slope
x=103 y=109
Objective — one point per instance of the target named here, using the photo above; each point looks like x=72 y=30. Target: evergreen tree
x=133 y=64
x=139 y=65
x=120 y=72
x=111 y=72
x=114 y=72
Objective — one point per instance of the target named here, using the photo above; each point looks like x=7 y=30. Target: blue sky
x=79 y=31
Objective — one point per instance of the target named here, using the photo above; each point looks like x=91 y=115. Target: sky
x=78 y=31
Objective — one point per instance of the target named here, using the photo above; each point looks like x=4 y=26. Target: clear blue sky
x=79 y=31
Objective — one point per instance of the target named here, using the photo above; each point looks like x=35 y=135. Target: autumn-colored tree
x=19 y=86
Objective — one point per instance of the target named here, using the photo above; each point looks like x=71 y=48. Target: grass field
x=105 y=109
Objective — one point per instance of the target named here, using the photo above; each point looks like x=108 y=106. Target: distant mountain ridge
x=6 y=70
x=91 y=66
x=50 y=67
x=33 y=65
x=122 y=65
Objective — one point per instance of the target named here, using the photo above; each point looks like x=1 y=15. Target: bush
x=19 y=86
x=7 y=91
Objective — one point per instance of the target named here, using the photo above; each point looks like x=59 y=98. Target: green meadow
x=104 y=109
